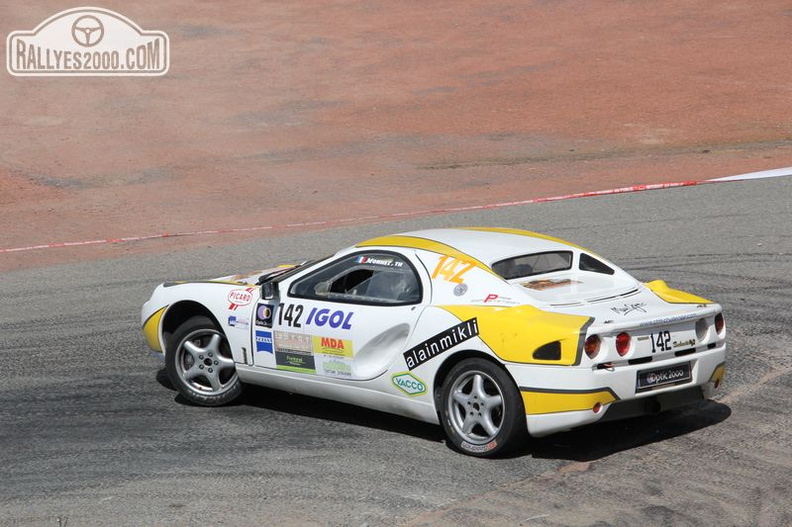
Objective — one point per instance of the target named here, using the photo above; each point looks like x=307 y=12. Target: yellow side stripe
x=151 y=329
x=719 y=373
x=415 y=242
x=521 y=232
x=549 y=402
x=674 y=296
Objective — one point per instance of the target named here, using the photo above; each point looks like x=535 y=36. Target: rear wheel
x=482 y=410
x=200 y=365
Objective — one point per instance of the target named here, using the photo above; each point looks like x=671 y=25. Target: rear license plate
x=670 y=375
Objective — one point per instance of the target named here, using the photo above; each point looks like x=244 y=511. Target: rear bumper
x=561 y=398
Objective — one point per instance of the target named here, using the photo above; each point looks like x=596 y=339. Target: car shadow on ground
x=303 y=405
x=587 y=443
x=592 y=442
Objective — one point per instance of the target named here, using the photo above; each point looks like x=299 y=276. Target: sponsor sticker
x=668 y=320
x=336 y=367
x=670 y=375
x=684 y=343
x=240 y=297
x=387 y=262
x=492 y=298
x=629 y=308
x=293 y=341
x=264 y=314
x=332 y=346
x=409 y=384
x=296 y=361
x=238 y=322
x=264 y=341
x=541 y=285
x=333 y=318
x=440 y=343
x=87 y=41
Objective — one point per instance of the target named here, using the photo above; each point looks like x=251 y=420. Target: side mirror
x=268 y=290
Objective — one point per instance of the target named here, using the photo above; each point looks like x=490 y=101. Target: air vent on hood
x=630 y=293
x=612 y=297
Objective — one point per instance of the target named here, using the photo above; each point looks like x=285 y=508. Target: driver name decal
x=441 y=342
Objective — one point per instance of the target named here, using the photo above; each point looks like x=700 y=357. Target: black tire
x=199 y=364
x=481 y=409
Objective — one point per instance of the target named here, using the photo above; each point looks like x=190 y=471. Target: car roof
x=484 y=244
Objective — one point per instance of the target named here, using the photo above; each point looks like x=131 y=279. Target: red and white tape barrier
x=401 y=215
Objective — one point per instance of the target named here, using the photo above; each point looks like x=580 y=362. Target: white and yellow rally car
x=491 y=332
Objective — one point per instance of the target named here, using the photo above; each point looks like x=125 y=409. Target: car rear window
x=533 y=264
x=591 y=264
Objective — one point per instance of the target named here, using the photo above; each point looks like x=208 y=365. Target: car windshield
x=278 y=275
x=533 y=264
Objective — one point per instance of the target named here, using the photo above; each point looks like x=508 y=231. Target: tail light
x=592 y=346
x=701 y=329
x=622 y=344
x=720 y=324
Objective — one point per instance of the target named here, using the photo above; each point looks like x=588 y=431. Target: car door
x=349 y=318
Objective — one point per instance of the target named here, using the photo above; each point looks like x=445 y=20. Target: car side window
x=375 y=278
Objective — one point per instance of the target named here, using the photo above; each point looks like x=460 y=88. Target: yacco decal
x=334 y=319
x=409 y=384
x=240 y=297
x=264 y=315
x=264 y=341
x=331 y=346
x=440 y=343
x=293 y=341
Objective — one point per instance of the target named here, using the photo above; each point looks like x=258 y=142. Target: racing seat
x=392 y=286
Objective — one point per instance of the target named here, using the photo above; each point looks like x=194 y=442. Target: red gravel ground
x=301 y=111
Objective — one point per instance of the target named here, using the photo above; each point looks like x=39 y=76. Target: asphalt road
x=92 y=434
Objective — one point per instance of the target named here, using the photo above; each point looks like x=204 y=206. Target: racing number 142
x=449 y=270
x=661 y=341
x=292 y=315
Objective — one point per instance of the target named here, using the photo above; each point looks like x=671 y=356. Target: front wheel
x=200 y=365
x=481 y=409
